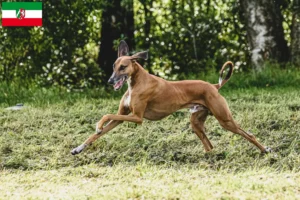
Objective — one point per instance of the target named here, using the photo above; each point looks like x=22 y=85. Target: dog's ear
x=140 y=55
x=123 y=49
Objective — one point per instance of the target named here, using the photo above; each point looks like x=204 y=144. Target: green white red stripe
x=22 y=14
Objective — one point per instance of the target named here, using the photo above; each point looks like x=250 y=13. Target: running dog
x=154 y=98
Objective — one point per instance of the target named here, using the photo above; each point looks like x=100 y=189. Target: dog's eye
x=122 y=67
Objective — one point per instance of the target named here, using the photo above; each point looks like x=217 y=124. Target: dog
x=154 y=98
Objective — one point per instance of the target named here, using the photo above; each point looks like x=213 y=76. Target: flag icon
x=22 y=14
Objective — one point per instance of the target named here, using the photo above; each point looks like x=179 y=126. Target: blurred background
x=76 y=46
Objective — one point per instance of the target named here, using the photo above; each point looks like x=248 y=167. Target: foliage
x=184 y=37
x=187 y=36
x=271 y=77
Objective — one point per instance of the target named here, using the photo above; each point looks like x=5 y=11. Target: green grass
x=157 y=160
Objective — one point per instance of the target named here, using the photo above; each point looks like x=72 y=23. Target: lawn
x=155 y=160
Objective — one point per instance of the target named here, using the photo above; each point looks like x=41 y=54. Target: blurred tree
x=295 y=33
x=265 y=32
x=148 y=16
x=117 y=23
x=187 y=37
x=184 y=37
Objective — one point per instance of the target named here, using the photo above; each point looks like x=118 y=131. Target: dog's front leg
x=130 y=118
x=92 y=138
x=114 y=121
x=135 y=117
x=112 y=124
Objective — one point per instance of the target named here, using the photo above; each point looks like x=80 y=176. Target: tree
x=148 y=15
x=265 y=32
x=117 y=23
x=295 y=33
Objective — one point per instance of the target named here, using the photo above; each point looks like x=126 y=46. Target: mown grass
x=157 y=160
x=148 y=182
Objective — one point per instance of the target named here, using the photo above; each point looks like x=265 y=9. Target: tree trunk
x=264 y=31
x=147 y=29
x=117 y=23
x=295 y=34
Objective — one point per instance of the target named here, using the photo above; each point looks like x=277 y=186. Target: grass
x=148 y=182
x=157 y=160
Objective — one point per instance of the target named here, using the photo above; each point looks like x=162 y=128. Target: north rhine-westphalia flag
x=22 y=14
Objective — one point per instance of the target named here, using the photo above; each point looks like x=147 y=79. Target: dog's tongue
x=118 y=84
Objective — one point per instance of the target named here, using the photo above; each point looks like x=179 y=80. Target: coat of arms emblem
x=20 y=13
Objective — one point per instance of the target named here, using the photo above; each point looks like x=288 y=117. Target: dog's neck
x=138 y=76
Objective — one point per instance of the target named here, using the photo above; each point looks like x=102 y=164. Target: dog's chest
x=128 y=97
x=127 y=100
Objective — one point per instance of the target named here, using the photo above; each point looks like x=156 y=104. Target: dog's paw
x=267 y=150
x=75 y=151
x=78 y=149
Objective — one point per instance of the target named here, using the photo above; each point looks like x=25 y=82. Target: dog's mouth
x=118 y=85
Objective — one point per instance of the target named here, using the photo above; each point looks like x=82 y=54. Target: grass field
x=157 y=160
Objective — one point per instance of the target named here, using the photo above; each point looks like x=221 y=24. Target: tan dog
x=154 y=98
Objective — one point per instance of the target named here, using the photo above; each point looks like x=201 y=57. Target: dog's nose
x=110 y=81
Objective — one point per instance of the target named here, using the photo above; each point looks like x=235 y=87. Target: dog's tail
x=228 y=75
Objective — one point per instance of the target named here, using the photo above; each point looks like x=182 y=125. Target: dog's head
x=123 y=67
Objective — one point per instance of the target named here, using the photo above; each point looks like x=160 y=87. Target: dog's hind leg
x=219 y=108
x=197 y=121
x=233 y=127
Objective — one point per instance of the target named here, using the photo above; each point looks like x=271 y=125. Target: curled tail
x=228 y=75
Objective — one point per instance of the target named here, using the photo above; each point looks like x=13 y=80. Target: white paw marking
x=78 y=149
x=81 y=147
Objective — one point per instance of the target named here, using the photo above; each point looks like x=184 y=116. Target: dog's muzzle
x=117 y=83
x=110 y=81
